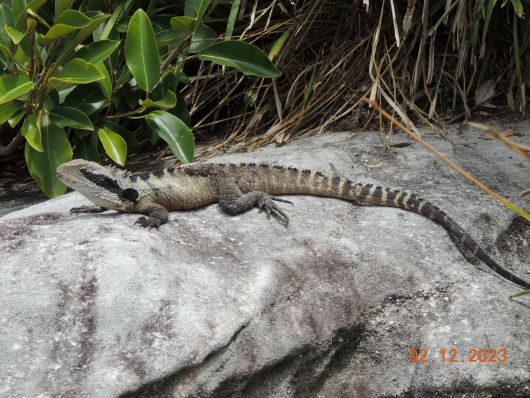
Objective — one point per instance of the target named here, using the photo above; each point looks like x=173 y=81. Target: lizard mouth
x=74 y=177
x=63 y=175
x=67 y=175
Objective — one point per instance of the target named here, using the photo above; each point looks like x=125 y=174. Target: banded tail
x=379 y=196
x=291 y=181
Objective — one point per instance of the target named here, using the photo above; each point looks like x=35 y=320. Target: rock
x=332 y=306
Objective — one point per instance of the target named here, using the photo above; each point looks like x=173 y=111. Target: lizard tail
x=316 y=183
x=379 y=196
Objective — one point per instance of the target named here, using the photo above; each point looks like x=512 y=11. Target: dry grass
x=517 y=148
x=431 y=61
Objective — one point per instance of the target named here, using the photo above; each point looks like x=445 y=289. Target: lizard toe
x=267 y=203
x=277 y=199
x=79 y=210
x=148 y=222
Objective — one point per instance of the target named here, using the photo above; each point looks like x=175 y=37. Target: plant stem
x=122 y=115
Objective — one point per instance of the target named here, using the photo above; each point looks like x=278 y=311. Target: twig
x=448 y=161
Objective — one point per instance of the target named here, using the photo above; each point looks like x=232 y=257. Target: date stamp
x=454 y=355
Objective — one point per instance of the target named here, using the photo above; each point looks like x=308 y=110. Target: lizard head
x=99 y=184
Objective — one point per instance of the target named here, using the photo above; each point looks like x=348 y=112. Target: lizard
x=239 y=187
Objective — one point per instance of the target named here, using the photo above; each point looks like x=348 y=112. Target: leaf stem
x=127 y=114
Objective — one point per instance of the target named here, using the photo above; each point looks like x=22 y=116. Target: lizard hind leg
x=234 y=202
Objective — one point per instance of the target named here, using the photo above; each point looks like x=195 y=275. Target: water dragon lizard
x=238 y=187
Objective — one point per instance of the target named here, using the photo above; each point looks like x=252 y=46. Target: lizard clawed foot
x=267 y=203
x=148 y=222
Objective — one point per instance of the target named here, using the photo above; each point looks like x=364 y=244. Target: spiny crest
x=378 y=192
x=335 y=183
x=159 y=172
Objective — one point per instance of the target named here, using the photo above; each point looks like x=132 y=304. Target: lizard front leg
x=156 y=214
x=87 y=209
x=233 y=202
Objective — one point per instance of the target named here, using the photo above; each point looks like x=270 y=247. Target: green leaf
x=521 y=293
x=15 y=119
x=8 y=109
x=78 y=71
x=166 y=37
x=68 y=22
x=168 y=80
x=15 y=35
x=17 y=6
x=5 y=50
x=6 y=19
x=182 y=23
x=115 y=60
x=196 y=8
x=63 y=116
x=232 y=19
x=87 y=98
x=42 y=165
x=278 y=44
x=4 y=64
x=63 y=92
x=175 y=132
x=247 y=58
x=98 y=51
x=52 y=100
x=518 y=8
x=113 y=144
x=182 y=78
x=141 y=52
x=97 y=19
x=106 y=83
x=169 y=101
x=72 y=41
x=19 y=15
x=86 y=148
x=31 y=130
x=62 y=5
x=121 y=8
x=14 y=86
x=203 y=37
x=126 y=134
x=130 y=96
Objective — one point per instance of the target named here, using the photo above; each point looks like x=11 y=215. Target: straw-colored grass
x=431 y=61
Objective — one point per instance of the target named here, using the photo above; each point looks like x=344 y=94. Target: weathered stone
x=211 y=305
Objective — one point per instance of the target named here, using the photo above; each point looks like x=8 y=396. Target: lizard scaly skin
x=238 y=187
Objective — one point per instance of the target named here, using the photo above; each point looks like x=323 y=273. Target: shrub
x=72 y=77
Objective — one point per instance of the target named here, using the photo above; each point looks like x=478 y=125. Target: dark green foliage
x=87 y=74
x=111 y=75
